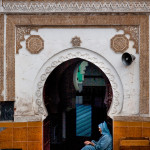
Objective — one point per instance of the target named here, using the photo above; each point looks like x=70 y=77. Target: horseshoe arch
x=85 y=54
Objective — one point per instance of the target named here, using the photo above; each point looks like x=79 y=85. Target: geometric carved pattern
x=133 y=31
x=119 y=43
x=76 y=41
x=20 y=33
x=50 y=6
x=34 y=44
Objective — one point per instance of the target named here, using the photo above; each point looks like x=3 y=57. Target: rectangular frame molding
x=85 y=20
x=1 y=57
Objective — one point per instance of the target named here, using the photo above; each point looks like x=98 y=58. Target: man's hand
x=88 y=143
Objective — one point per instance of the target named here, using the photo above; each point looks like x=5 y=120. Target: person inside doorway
x=105 y=141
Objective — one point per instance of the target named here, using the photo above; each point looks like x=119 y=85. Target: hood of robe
x=104 y=128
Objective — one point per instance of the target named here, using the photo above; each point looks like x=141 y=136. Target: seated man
x=105 y=141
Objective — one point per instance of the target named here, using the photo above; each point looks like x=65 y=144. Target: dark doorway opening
x=77 y=95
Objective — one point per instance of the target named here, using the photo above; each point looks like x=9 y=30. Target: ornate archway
x=85 y=54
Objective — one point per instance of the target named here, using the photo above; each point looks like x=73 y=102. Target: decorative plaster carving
x=1 y=57
x=20 y=33
x=76 y=42
x=34 y=44
x=116 y=102
x=142 y=21
x=77 y=6
x=119 y=43
x=133 y=31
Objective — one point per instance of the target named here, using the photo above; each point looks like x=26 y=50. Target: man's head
x=103 y=129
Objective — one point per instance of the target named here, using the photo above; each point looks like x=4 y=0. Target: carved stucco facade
x=92 y=49
x=130 y=85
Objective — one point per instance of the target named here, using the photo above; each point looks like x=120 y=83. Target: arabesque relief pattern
x=81 y=20
x=1 y=57
x=76 y=6
x=20 y=33
x=133 y=31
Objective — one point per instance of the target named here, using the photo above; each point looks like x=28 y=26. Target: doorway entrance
x=77 y=95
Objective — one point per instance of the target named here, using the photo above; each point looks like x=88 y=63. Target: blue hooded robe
x=104 y=143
